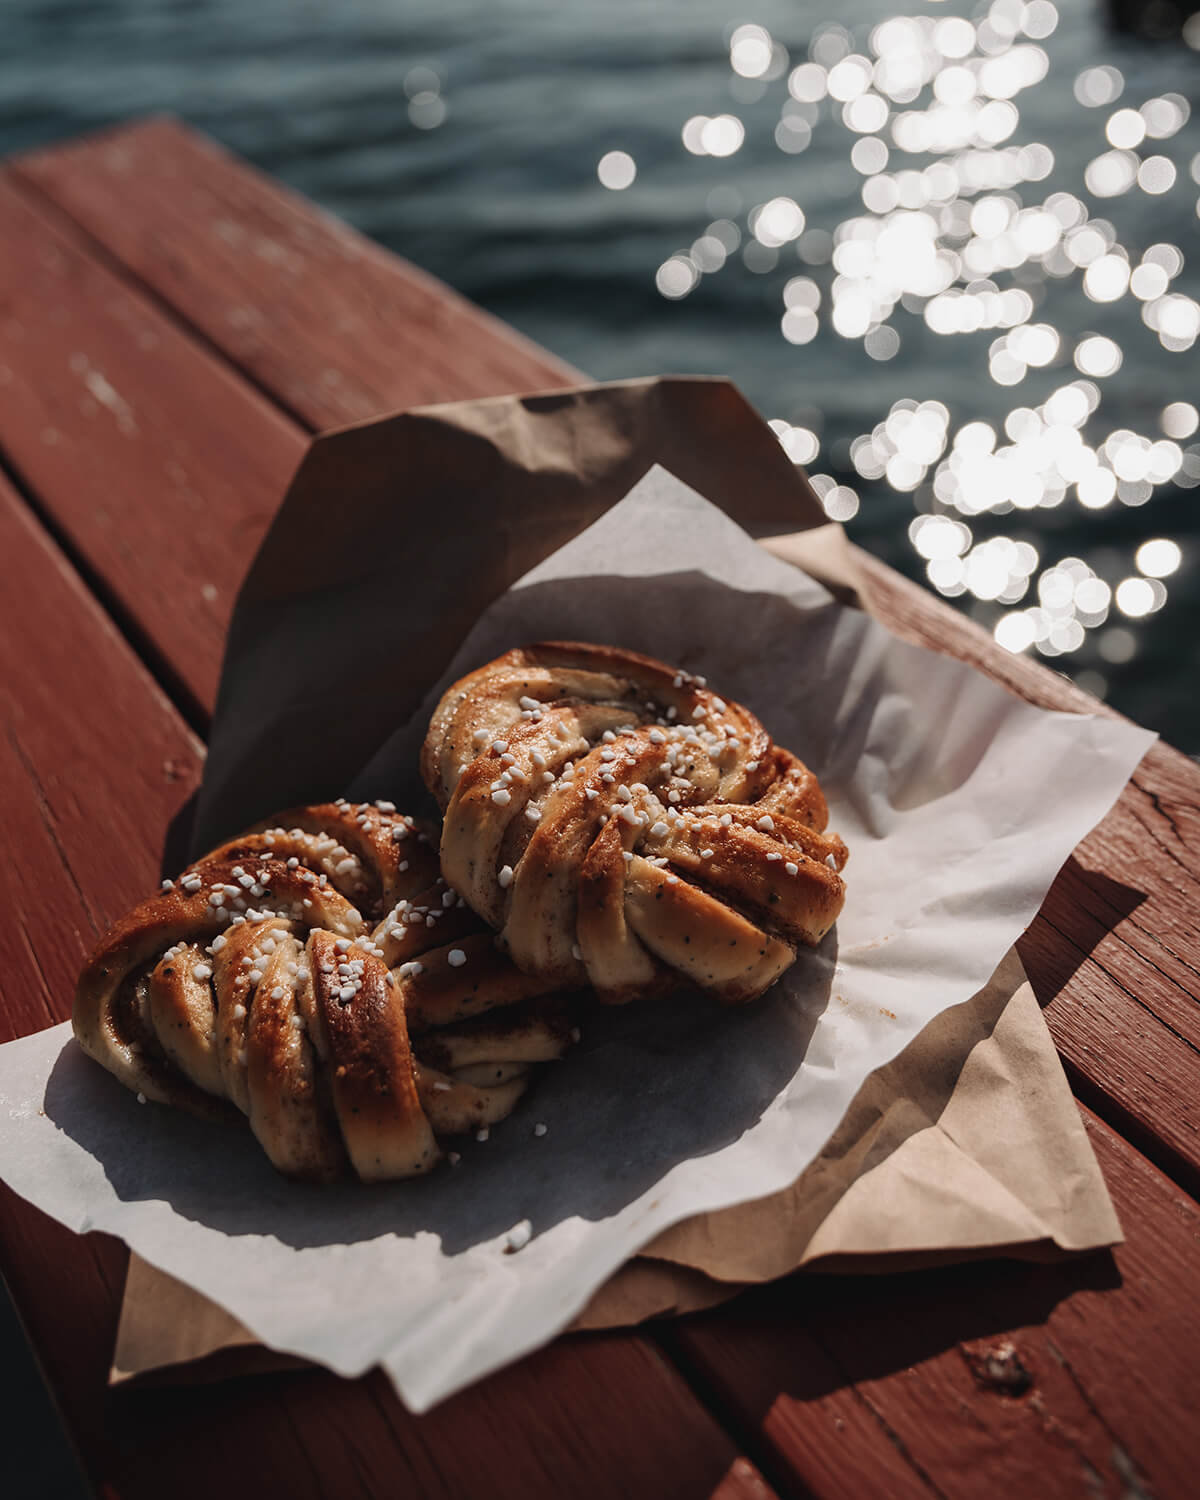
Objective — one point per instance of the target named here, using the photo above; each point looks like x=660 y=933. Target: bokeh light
x=1158 y=558
x=616 y=170
x=1180 y=419
x=956 y=240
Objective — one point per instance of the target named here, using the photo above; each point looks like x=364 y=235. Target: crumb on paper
x=883 y=1011
x=518 y=1237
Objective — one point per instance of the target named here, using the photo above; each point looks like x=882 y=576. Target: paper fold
x=932 y=1162
x=958 y=802
x=397 y=532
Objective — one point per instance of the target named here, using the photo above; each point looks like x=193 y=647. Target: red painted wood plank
x=598 y=1417
x=993 y=1379
x=212 y=237
x=93 y=763
x=1170 y=795
x=348 y=331
x=93 y=760
x=157 y=462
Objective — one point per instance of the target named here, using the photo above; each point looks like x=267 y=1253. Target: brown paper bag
x=969 y=1143
x=461 y=500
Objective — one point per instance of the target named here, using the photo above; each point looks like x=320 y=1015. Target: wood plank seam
x=157 y=458
x=1122 y=1122
x=751 y=1441
x=144 y=649
x=755 y=1442
x=1150 y=794
x=1169 y=1160
x=251 y=217
x=1121 y=1457
x=29 y=1229
x=1124 y=988
x=889 y=1431
x=36 y=196
x=1162 y=1154
x=194 y=713
x=1033 y=680
x=1030 y=1385
x=143 y=646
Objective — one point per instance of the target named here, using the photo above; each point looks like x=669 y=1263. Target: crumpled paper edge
x=854 y=1195
x=672 y=1276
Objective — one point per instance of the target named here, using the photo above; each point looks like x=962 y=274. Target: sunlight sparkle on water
x=1180 y=419
x=1107 y=278
x=777 y=222
x=616 y=170
x=1156 y=175
x=1158 y=558
x=953 y=235
x=1098 y=356
x=1125 y=129
x=1136 y=597
x=718 y=135
x=1096 y=87
x=750 y=51
x=677 y=276
x=1165 y=116
x=1111 y=174
x=423 y=89
x=800 y=444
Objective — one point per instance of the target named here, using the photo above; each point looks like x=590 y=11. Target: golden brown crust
x=569 y=771
x=288 y=1109
x=276 y=978
x=372 y=1070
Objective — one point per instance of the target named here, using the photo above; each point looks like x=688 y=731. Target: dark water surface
x=467 y=136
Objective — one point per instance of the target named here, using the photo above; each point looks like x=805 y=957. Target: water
x=467 y=136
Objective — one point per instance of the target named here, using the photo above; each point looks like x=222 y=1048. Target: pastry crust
x=296 y=976
x=622 y=825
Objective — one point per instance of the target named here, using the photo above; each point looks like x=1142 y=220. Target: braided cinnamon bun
x=322 y=979
x=622 y=825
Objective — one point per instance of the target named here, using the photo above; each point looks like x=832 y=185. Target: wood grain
x=347 y=331
x=156 y=463
x=887 y=1386
x=591 y=1417
x=988 y=1379
x=94 y=762
x=287 y=293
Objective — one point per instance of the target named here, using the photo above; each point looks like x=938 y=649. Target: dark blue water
x=487 y=175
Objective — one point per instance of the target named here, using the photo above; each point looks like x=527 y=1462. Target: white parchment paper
x=958 y=802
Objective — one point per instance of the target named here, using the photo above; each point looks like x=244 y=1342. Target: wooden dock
x=173 y=328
